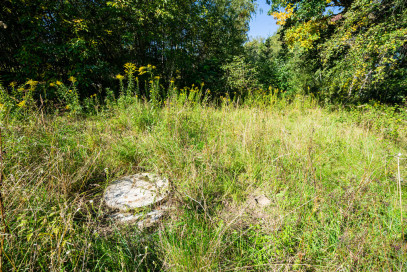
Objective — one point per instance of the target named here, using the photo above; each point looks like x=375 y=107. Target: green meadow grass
x=331 y=176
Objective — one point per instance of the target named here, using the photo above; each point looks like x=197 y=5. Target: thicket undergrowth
x=331 y=176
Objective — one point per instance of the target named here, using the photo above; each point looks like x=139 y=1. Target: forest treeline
x=341 y=50
x=92 y=40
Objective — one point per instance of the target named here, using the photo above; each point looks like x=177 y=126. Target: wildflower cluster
x=19 y=99
x=68 y=95
x=132 y=90
x=130 y=68
x=191 y=95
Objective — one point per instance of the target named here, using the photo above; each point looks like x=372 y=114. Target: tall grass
x=331 y=177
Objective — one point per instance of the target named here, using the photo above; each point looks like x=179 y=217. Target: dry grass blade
x=400 y=195
x=5 y=229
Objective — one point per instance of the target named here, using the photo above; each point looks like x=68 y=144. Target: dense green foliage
x=341 y=51
x=92 y=40
x=357 y=54
x=261 y=66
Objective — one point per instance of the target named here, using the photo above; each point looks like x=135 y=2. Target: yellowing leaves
x=305 y=34
x=282 y=16
x=79 y=25
x=77 y=21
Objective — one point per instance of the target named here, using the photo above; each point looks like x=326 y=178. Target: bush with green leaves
x=347 y=50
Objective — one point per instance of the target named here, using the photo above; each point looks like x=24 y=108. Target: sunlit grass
x=330 y=176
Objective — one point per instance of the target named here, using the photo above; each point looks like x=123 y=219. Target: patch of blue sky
x=262 y=25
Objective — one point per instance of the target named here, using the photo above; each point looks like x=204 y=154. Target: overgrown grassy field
x=331 y=176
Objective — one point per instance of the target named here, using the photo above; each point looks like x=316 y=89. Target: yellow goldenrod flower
x=31 y=82
x=157 y=77
x=119 y=77
x=72 y=79
x=52 y=85
x=20 y=89
x=59 y=83
x=70 y=91
x=13 y=84
x=67 y=107
x=130 y=68
x=21 y=104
